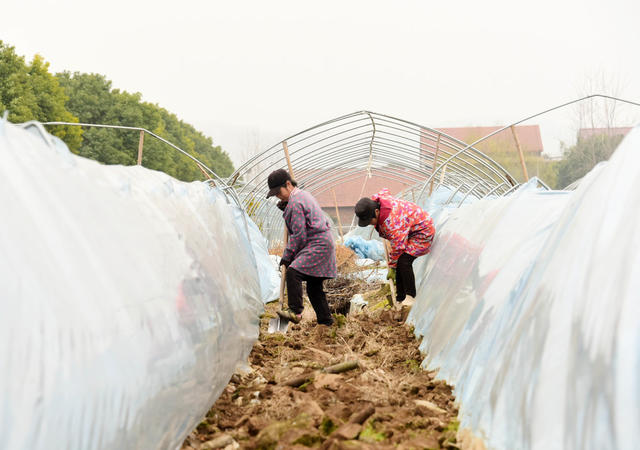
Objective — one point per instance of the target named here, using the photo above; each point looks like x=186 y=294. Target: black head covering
x=366 y=210
x=277 y=179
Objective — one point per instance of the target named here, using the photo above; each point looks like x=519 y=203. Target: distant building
x=585 y=133
x=351 y=189
x=528 y=136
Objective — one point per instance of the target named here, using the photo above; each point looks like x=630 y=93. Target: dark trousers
x=314 y=291
x=405 y=280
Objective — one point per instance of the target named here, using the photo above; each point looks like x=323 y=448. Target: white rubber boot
x=408 y=301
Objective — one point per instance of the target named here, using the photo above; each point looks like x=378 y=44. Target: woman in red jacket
x=409 y=230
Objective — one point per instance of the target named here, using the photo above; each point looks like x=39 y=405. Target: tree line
x=30 y=92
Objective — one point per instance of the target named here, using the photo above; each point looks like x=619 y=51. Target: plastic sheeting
x=529 y=305
x=127 y=299
x=268 y=272
x=372 y=249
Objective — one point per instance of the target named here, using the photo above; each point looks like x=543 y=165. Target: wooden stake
x=364 y=183
x=335 y=202
x=444 y=170
x=524 y=167
x=205 y=173
x=286 y=155
x=140 y=144
x=435 y=162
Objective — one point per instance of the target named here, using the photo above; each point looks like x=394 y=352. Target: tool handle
x=283 y=269
x=391 y=285
x=283 y=274
x=393 y=291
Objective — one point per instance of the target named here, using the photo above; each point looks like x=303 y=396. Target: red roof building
x=349 y=191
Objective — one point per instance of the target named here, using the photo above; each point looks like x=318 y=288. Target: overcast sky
x=244 y=71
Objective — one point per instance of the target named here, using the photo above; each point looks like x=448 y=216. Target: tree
x=30 y=92
x=601 y=117
x=584 y=155
x=601 y=112
x=92 y=98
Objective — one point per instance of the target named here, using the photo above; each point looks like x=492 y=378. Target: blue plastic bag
x=365 y=249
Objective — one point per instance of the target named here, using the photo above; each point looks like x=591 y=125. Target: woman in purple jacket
x=310 y=254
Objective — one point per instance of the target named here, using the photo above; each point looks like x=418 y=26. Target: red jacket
x=408 y=227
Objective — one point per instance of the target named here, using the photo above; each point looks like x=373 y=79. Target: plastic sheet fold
x=529 y=305
x=127 y=299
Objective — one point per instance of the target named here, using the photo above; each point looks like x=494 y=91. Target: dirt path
x=287 y=401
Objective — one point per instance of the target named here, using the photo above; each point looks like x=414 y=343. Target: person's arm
x=298 y=227
x=398 y=236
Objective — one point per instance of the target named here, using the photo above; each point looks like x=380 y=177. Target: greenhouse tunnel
x=356 y=147
x=137 y=296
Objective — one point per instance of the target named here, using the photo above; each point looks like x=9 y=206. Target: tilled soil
x=288 y=401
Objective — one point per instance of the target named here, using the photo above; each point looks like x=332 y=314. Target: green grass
x=370 y=434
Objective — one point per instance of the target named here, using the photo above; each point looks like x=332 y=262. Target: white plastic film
x=127 y=299
x=268 y=273
x=529 y=304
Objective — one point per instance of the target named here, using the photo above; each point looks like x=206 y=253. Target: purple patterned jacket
x=311 y=248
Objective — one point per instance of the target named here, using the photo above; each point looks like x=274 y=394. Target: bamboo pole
x=435 y=162
x=286 y=154
x=140 y=145
x=524 y=166
x=205 y=173
x=364 y=183
x=444 y=170
x=335 y=203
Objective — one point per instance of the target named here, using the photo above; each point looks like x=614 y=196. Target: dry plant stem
x=336 y=368
x=342 y=367
x=361 y=416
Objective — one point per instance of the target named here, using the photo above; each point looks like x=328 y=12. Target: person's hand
x=284 y=262
x=282 y=205
x=391 y=274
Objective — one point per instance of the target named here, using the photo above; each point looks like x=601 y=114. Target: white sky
x=246 y=70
